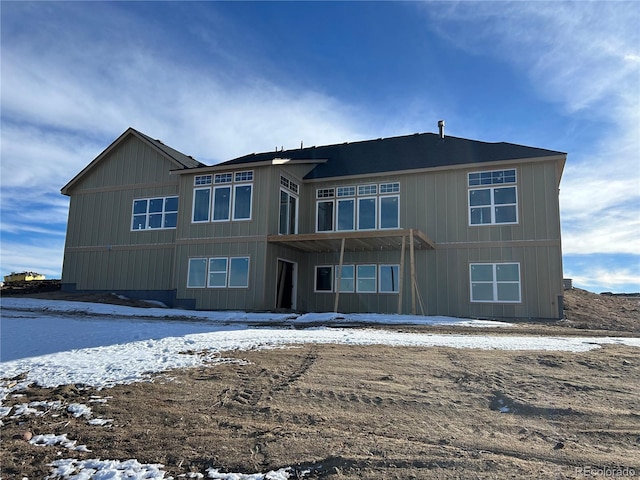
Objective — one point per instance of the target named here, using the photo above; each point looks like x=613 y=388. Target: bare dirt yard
x=352 y=412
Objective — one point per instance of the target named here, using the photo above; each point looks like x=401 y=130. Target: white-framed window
x=154 y=213
x=323 y=282
x=366 y=279
x=495 y=282
x=202 y=180
x=289 y=184
x=288 y=213
x=324 y=216
x=389 y=212
x=221 y=209
x=388 y=276
x=201 y=203
x=218 y=272
x=197 y=274
x=367 y=213
x=493 y=197
x=347 y=278
x=231 y=198
x=358 y=207
x=239 y=272
x=346 y=214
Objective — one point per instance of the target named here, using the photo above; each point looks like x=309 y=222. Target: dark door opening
x=285 y=295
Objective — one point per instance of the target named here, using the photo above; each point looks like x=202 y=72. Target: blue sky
x=217 y=80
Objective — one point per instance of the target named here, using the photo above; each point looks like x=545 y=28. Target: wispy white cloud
x=582 y=56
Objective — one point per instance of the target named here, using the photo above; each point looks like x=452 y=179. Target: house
x=424 y=223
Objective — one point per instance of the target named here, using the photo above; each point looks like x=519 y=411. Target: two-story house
x=423 y=223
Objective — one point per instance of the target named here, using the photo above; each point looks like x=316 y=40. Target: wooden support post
x=412 y=259
x=401 y=275
x=339 y=281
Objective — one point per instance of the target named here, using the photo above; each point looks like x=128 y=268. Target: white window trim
x=193 y=205
x=148 y=214
x=335 y=280
x=337 y=213
x=226 y=272
x=375 y=217
x=206 y=268
x=315 y=279
x=333 y=216
x=374 y=278
x=220 y=186
x=233 y=201
x=229 y=261
x=515 y=181
x=495 y=282
x=493 y=205
x=293 y=195
x=380 y=278
x=380 y=227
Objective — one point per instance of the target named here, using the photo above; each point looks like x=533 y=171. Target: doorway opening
x=286 y=285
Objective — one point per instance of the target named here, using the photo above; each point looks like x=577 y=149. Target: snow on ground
x=52 y=343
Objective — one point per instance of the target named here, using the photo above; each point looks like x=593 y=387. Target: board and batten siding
x=101 y=250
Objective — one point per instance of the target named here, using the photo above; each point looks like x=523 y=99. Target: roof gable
x=179 y=160
x=409 y=152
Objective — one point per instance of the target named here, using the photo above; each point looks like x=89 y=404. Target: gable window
x=366 y=279
x=495 y=282
x=218 y=272
x=154 y=213
x=230 y=199
x=491 y=200
x=202 y=180
x=324 y=279
x=347 y=278
x=388 y=278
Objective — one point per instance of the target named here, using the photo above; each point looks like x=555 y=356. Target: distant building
x=23 y=277
x=421 y=223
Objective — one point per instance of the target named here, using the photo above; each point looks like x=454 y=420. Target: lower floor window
x=495 y=282
x=218 y=272
x=357 y=278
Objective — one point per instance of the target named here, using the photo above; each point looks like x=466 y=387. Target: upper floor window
x=154 y=213
x=361 y=207
x=492 y=200
x=229 y=199
x=202 y=180
x=288 y=221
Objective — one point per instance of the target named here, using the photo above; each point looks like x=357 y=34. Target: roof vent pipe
x=441 y=128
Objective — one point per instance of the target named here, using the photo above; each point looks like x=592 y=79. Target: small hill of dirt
x=605 y=311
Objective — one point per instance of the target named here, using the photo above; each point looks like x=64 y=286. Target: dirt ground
x=352 y=412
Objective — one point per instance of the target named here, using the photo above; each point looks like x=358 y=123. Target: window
x=221 y=204
x=218 y=272
x=202 y=180
x=288 y=184
x=367 y=213
x=324 y=216
x=324 y=279
x=201 y=200
x=389 y=278
x=154 y=213
x=239 y=272
x=495 y=282
x=390 y=211
x=229 y=202
x=347 y=278
x=288 y=213
x=366 y=279
x=197 y=275
x=493 y=205
x=358 y=207
x=346 y=214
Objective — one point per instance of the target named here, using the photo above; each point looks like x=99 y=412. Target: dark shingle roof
x=185 y=160
x=409 y=152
